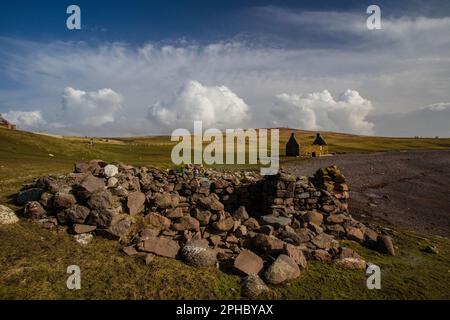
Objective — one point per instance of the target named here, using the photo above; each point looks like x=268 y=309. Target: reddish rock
x=166 y=200
x=224 y=224
x=149 y=233
x=203 y=216
x=135 y=202
x=130 y=250
x=186 y=223
x=370 y=235
x=321 y=255
x=91 y=184
x=174 y=213
x=156 y=221
x=296 y=254
x=274 y=221
x=336 y=219
x=83 y=228
x=248 y=262
x=63 y=200
x=313 y=217
x=162 y=247
x=211 y=203
x=251 y=224
x=100 y=200
x=34 y=210
x=345 y=252
x=323 y=241
x=269 y=244
x=354 y=234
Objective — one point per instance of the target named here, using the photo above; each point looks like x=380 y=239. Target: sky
x=149 y=67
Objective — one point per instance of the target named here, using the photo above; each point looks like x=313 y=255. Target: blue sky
x=142 y=67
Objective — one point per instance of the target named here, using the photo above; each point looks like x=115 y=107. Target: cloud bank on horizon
x=392 y=81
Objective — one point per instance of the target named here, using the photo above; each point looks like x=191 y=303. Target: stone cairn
x=261 y=226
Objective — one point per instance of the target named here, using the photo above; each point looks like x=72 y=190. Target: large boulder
x=199 y=256
x=248 y=262
x=281 y=270
x=7 y=215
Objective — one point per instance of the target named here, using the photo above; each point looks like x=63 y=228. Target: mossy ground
x=34 y=260
x=34 y=263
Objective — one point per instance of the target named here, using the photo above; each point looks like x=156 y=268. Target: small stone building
x=5 y=124
x=292 y=147
x=320 y=146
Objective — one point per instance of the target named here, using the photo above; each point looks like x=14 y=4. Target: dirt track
x=406 y=189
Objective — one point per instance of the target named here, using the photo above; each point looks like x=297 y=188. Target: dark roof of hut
x=3 y=120
x=292 y=140
x=319 y=140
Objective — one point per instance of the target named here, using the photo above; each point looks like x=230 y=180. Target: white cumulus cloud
x=320 y=111
x=94 y=108
x=216 y=106
x=27 y=120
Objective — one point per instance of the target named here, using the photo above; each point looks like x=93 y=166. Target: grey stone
x=199 y=256
x=282 y=269
x=277 y=222
x=7 y=215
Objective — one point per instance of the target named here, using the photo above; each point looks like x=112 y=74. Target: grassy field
x=34 y=260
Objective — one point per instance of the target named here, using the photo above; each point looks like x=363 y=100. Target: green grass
x=34 y=263
x=34 y=260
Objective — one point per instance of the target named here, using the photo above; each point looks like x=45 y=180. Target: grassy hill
x=25 y=155
x=34 y=260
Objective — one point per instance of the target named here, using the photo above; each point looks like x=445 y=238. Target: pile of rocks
x=268 y=226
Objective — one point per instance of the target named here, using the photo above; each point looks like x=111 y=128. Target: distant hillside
x=25 y=155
